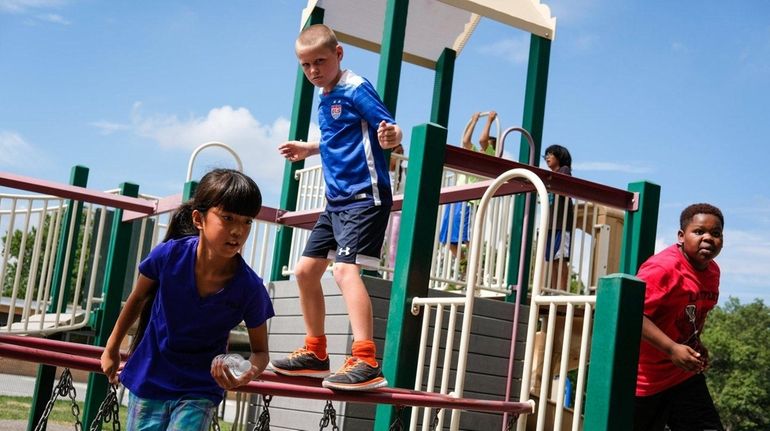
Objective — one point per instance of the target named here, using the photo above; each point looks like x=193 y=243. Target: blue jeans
x=184 y=414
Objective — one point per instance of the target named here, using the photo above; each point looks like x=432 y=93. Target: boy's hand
x=389 y=135
x=295 y=151
x=492 y=115
x=687 y=359
x=110 y=362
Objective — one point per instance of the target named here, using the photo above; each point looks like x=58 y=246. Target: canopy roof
x=432 y=25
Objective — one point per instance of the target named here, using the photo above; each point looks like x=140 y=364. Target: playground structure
x=78 y=273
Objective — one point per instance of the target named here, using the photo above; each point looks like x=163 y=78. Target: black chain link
x=63 y=388
x=215 y=422
x=109 y=410
x=263 y=422
x=398 y=424
x=511 y=420
x=434 y=422
x=330 y=416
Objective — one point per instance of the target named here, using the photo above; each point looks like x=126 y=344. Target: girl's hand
x=110 y=362
x=225 y=378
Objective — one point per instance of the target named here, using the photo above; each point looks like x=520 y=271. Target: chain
x=330 y=415
x=63 y=388
x=397 y=424
x=215 y=422
x=511 y=420
x=434 y=421
x=108 y=411
x=263 y=422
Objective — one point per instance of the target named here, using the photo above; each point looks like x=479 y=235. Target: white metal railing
x=466 y=304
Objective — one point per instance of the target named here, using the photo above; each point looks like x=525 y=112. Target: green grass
x=17 y=408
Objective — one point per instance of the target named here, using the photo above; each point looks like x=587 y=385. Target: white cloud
x=22 y=6
x=678 y=47
x=108 y=128
x=14 y=150
x=610 y=167
x=54 y=18
x=514 y=51
x=255 y=143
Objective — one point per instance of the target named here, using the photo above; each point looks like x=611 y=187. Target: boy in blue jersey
x=355 y=129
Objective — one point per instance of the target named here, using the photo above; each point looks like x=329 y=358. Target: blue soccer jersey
x=185 y=331
x=354 y=165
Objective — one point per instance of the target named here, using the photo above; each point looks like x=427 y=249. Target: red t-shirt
x=677 y=299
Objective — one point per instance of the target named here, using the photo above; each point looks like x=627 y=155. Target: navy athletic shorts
x=349 y=236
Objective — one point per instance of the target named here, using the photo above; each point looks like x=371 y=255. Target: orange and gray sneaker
x=356 y=375
x=301 y=362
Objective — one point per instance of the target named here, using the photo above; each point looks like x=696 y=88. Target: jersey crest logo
x=336 y=111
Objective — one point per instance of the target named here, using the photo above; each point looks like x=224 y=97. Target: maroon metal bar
x=77 y=193
x=490 y=166
x=57 y=346
x=273 y=384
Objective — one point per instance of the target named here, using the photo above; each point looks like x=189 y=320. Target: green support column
x=413 y=259
x=63 y=266
x=116 y=268
x=614 y=353
x=640 y=227
x=442 y=87
x=534 y=114
x=391 y=52
x=300 y=124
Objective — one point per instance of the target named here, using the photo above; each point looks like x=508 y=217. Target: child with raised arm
x=682 y=287
x=202 y=289
x=355 y=128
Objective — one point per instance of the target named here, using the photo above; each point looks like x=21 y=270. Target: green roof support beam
x=640 y=227
x=614 y=353
x=534 y=114
x=300 y=126
x=442 y=87
x=116 y=269
x=413 y=257
x=392 y=51
x=62 y=273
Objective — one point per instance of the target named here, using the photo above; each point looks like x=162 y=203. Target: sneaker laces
x=350 y=363
x=301 y=351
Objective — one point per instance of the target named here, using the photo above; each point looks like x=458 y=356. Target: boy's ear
x=340 y=52
x=680 y=236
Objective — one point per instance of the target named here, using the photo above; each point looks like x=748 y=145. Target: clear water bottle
x=235 y=363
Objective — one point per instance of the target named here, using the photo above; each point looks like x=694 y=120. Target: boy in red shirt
x=682 y=287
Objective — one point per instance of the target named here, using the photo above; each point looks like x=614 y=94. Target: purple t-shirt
x=185 y=331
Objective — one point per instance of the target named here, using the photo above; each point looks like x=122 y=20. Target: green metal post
x=116 y=268
x=534 y=114
x=300 y=124
x=640 y=227
x=63 y=266
x=442 y=87
x=614 y=353
x=391 y=52
x=412 y=271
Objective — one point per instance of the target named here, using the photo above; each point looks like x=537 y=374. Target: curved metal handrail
x=207 y=145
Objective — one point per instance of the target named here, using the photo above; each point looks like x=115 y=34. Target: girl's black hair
x=228 y=188
x=691 y=211
x=561 y=154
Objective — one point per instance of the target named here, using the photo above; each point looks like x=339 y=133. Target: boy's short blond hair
x=317 y=35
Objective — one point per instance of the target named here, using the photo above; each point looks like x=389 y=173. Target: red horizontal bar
x=57 y=346
x=68 y=191
x=272 y=384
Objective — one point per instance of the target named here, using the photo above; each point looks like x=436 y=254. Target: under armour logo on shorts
x=345 y=250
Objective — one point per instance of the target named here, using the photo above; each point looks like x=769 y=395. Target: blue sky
x=675 y=93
